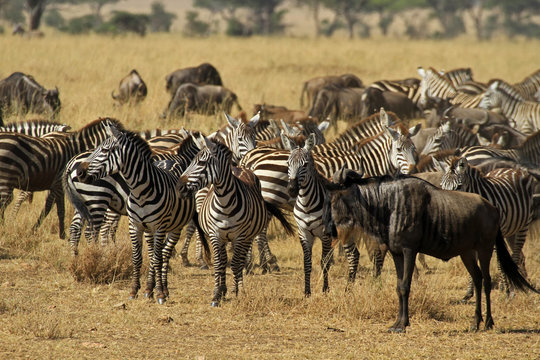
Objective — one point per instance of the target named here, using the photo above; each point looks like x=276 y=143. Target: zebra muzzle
x=82 y=172
x=293 y=187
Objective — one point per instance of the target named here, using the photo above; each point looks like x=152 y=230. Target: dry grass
x=102 y=265
x=43 y=307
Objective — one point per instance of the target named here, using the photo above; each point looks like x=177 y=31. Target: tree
x=35 y=9
x=160 y=19
x=518 y=16
x=315 y=7
x=12 y=11
x=348 y=9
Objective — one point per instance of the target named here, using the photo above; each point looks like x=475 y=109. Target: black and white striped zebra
x=36 y=164
x=523 y=115
x=233 y=209
x=101 y=203
x=408 y=87
x=510 y=190
x=435 y=85
x=449 y=136
x=153 y=204
x=35 y=128
x=310 y=190
x=529 y=86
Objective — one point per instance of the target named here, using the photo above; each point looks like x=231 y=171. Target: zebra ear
x=289 y=130
x=494 y=85
x=446 y=126
x=111 y=129
x=393 y=133
x=199 y=141
x=310 y=142
x=421 y=71
x=415 y=129
x=288 y=143
x=232 y=121
x=255 y=120
x=323 y=126
x=383 y=117
x=274 y=126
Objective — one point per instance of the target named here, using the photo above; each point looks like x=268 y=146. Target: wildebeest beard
x=293 y=187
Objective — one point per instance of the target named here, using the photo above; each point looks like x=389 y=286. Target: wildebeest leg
x=326 y=259
x=470 y=262
x=220 y=263
x=241 y=248
x=485 y=258
x=306 y=240
x=470 y=287
x=172 y=240
x=398 y=263
x=406 y=261
x=61 y=213
x=353 y=256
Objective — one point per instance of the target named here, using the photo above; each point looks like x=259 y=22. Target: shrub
x=102 y=265
x=54 y=19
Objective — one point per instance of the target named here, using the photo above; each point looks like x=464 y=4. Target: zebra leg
x=190 y=231
x=48 y=206
x=158 y=265
x=172 y=240
x=353 y=257
x=306 y=240
x=241 y=249
x=267 y=260
x=6 y=197
x=248 y=262
x=220 y=264
x=107 y=226
x=75 y=230
x=326 y=260
x=198 y=252
x=135 y=235
x=23 y=195
x=517 y=250
x=151 y=279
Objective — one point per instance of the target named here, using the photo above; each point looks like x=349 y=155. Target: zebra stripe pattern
x=449 y=136
x=35 y=128
x=233 y=210
x=153 y=204
x=36 y=164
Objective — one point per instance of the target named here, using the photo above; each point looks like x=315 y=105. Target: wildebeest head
x=51 y=97
x=300 y=164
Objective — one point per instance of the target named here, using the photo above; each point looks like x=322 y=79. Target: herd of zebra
x=227 y=186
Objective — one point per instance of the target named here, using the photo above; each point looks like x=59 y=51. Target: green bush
x=128 y=22
x=194 y=26
x=54 y=19
x=80 y=25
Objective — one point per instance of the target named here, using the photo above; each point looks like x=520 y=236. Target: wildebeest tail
x=304 y=90
x=115 y=97
x=509 y=267
x=207 y=253
x=274 y=210
x=330 y=228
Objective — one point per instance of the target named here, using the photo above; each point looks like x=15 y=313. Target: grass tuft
x=102 y=265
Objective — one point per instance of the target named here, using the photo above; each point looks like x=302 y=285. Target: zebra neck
x=226 y=185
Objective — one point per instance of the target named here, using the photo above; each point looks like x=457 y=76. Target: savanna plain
x=47 y=312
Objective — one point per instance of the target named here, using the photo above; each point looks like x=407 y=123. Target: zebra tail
x=276 y=211
x=204 y=241
x=509 y=267
x=76 y=200
x=304 y=89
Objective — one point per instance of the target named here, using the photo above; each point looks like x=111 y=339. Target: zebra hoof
x=132 y=297
x=161 y=301
x=214 y=304
x=148 y=294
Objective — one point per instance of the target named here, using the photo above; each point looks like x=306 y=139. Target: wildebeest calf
x=131 y=89
x=411 y=216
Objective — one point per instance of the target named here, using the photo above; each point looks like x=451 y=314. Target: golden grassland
x=46 y=313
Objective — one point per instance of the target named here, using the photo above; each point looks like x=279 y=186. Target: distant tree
x=518 y=16
x=314 y=7
x=54 y=18
x=160 y=19
x=128 y=22
x=194 y=26
x=12 y=11
x=35 y=9
x=349 y=10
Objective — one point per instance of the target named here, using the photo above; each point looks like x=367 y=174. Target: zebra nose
x=82 y=171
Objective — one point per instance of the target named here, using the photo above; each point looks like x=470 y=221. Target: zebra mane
x=398 y=126
x=142 y=146
x=33 y=122
x=426 y=161
x=98 y=122
x=507 y=89
x=531 y=143
x=442 y=78
x=350 y=132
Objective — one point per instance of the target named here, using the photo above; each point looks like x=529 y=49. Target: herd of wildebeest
x=463 y=185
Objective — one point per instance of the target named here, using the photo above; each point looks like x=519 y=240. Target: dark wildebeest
x=373 y=99
x=313 y=86
x=202 y=99
x=410 y=216
x=204 y=74
x=442 y=108
x=131 y=89
x=335 y=102
x=22 y=93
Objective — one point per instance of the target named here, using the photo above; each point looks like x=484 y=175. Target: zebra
x=435 y=85
x=509 y=190
x=153 y=204
x=529 y=86
x=35 y=164
x=233 y=209
x=449 y=136
x=101 y=203
x=523 y=115
x=390 y=152
x=458 y=76
x=35 y=128
x=309 y=188
x=408 y=87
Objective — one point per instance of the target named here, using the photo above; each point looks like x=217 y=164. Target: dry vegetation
x=46 y=313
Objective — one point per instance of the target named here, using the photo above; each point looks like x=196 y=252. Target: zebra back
x=34 y=128
x=529 y=86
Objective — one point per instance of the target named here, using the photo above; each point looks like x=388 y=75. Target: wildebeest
x=131 y=89
x=277 y=113
x=203 y=74
x=22 y=93
x=313 y=86
x=373 y=99
x=202 y=99
x=335 y=102
x=409 y=216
